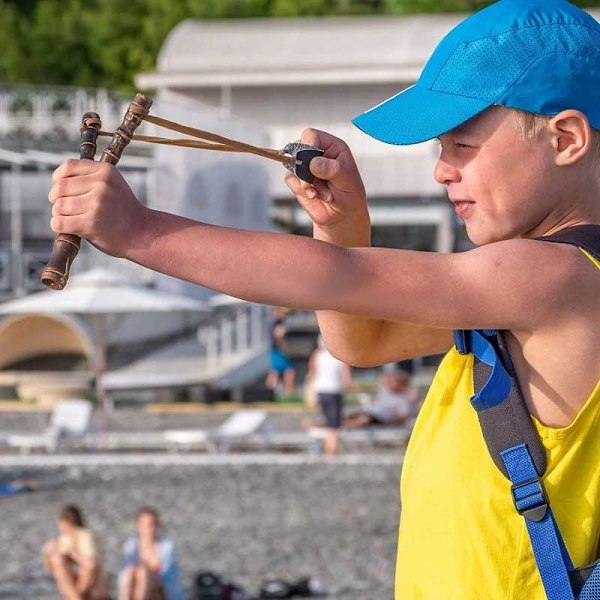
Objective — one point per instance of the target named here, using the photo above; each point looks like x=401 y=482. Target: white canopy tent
x=100 y=292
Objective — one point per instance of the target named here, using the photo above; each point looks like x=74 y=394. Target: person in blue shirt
x=150 y=569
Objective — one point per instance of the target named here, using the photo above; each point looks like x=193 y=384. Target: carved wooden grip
x=66 y=246
x=137 y=110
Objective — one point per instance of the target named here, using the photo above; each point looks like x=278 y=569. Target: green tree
x=106 y=42
x=12 y=34
x=57 y=45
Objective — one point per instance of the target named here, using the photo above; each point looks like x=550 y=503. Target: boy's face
x=501 y=185
x=147 y=525
x=64 y=526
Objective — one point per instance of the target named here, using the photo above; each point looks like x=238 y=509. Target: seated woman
x=150 y=570
x=74 y=560
x=395 y=403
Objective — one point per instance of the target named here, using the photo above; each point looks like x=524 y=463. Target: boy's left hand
x=337 y=195
x=92 y=200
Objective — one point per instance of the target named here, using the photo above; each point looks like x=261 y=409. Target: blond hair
x=530 y=125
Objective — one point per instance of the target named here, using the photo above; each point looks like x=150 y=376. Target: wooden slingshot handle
x=66 y=246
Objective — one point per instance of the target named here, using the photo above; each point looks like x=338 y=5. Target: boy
x=512 y=177
x=150 y=566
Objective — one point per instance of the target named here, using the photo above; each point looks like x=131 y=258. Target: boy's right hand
x=336 y=202
x=92 y=200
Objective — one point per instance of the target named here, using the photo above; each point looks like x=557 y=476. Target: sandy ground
x=249 y=521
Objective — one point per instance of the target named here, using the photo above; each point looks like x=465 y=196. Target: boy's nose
x=445 y=173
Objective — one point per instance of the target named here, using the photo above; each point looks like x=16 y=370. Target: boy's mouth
x=462 y=208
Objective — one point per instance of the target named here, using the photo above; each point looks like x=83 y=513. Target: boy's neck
x=582 y=208
x=546 y=230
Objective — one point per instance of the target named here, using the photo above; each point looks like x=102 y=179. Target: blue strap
x=550 y=552
x=591 y=589
x=551 y=555
x=462 y=338
x=497 y=387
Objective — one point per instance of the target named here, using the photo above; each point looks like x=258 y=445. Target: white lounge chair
x=70 y=419
x=243 y=425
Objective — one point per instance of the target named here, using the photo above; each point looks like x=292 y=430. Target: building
x=261 y=81
x=39 y=128
x=288 y=74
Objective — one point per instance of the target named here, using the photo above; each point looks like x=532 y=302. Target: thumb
x=324 y=168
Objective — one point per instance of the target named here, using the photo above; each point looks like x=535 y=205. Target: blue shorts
x=280 y=362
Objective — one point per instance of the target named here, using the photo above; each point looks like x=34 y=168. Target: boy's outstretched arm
x=337 y=205
x=505 y=285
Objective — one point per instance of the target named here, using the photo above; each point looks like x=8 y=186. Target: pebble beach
x=246 y=517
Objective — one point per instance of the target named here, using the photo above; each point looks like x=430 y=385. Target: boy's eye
x=453 y=142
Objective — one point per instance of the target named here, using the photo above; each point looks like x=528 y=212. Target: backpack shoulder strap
x=516 y=448
x=518 y=452
x=583 y=236
x=508 y=422
x=503 y=415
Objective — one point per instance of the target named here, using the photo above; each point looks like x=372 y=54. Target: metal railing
x=232 y=337
x=54 y=112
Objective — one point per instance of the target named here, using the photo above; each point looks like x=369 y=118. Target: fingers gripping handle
x=66 y=246
x=56 y=274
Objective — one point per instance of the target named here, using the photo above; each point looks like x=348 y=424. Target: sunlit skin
x=142 y=581
x=378 y=305
x=511 y=187
x=66 y=527
x=76 y=575
x=147 y=529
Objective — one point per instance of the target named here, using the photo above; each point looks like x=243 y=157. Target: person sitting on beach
x=150 y=569
x=74 y=560
x=395 y=403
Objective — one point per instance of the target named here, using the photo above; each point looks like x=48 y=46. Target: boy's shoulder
x=523 y=284
x=541 y=257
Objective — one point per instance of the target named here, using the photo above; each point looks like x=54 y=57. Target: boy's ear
x=570 y=135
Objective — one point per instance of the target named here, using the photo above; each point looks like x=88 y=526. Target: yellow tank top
x=460 y=535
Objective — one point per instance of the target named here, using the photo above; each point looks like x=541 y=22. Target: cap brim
x=417 y=115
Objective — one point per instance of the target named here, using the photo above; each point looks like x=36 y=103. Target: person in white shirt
x=329 y=378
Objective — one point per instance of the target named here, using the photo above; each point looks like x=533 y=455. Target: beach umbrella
x=100 y=293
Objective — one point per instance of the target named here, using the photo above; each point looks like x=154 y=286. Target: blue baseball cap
x=540 y=56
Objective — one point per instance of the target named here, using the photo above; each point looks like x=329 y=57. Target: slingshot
x=295 y=157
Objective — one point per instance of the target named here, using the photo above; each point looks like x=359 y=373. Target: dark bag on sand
x=210 y=586
x=302 y=588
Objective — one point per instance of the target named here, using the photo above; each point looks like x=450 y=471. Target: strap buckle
x=530 y=499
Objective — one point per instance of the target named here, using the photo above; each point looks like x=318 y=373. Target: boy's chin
x=482 y=237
